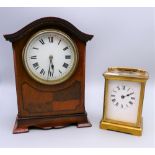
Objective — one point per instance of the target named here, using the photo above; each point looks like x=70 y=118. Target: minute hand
x=130 y=94
x=49 y=69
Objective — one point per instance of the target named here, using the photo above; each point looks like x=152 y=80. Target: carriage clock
x=123 y=100
x=49 y=60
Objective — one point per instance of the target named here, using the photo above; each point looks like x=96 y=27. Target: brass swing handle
x=127 y=69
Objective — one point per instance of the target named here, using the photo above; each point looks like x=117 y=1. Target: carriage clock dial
x=50 y=56
x=123 y=96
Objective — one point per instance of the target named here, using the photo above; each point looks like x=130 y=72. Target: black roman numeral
x=117 y=104
x=65 y=65
x=34 y=57
x=42 y=72
x=113 y=100
x=60 y=72
x=59 y=41
x=133 y=98
x=36 y=65
x=35 y=48
x=130 y=102
x=67 y=56
x=50 y=39
x=112 y=95
x=118 y=87
x=42 y=41
x=123 y=87
x=65 y=48
x=121 y=105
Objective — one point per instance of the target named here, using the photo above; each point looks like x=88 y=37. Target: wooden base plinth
x=23 y=125
x=137 y=131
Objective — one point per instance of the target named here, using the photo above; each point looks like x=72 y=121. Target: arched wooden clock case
x=49 y=106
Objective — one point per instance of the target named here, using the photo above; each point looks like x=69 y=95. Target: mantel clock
x=49 y=60
x=123 y=99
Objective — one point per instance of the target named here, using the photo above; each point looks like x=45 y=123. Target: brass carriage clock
x=123 y=99
x=49 y=60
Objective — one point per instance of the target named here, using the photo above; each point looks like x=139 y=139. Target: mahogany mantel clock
x=49 y=60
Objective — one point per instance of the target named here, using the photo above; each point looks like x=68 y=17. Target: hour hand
x=49 y=71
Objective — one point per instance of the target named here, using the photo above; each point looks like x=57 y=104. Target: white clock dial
x=123 y=100
x=123 y=97
x=50 y=57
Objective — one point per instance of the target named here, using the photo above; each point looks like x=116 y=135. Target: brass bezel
x=64 y=78
x=127 y=127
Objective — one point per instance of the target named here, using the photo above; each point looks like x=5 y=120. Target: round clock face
x=50 y=57
x=123 y=100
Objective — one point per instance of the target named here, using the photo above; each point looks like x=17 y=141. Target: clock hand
x=123 y=96
x=51 y=63
x=49 y=69
x=130 y=94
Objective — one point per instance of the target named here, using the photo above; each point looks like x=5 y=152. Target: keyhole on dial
x=51 y=57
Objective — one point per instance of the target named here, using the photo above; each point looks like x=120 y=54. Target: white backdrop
x=122 y=37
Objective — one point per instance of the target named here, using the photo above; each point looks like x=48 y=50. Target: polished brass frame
x=114 y=73
x=57 y=81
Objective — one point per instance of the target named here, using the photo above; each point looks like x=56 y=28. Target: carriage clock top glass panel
x=124 y=92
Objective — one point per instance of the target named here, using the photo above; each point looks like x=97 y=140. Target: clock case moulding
x=49 y=106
